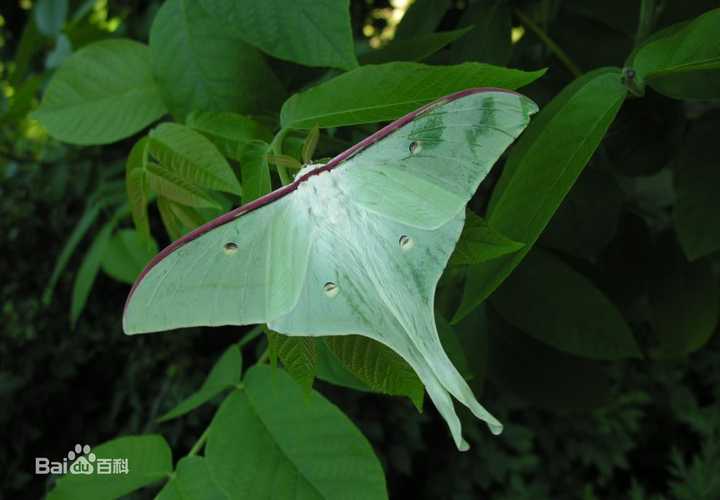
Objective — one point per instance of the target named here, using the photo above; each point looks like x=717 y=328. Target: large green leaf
x=104 y=92
x=148 y=460
x=224 y=375
x=88 y=271
x=272 y=440
x=550 y=301
x=254 y=170
x=421 y=18
x=376 y=366
x=298 y=355
x=587 y=219
x=479 y=243
x=126 y=254
x=685 y=306
x=192 y=157
x=330 y=369
x=490 y=41
x=413 y=49
x=542 y=168
x=309 y=32
x=697 y=178
x=172 y=224
x=382 y=92
x=228 y=131
x=684 y=62
x=167 y=183
x=203 y=65
x=541 y=375
x=193 y=481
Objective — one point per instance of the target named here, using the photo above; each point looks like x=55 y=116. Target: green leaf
x=50 y=16
x=472 y=333
x=587 y=219
x=193 y=481
x=104 y=92
x=309 y=145
x=188 y=216
x=255 y=171
x=306 y=32
x=224 y=375
x=315 y=451
x=78 y=233
x=284 y=161
x=168 y=184
x=298 y=356
x=684 y=63
x=228 y=131
x=541 y=375
x=382 y=92
x=170 y=221
x=542 y=168
x=685 y=306
x=202 y=65
x=171 y=490
x=148 y=458
x=490 y=41
x=697 y=178
x=479 y=243
x=421 y=18
x=61 y=51
x=413 y=49
x=137 y=185
x=548 y=300
x=88 y=271
x=126 y=254
x=330 y=369
x=450 y=341
x=377 y=366
x=192 y=157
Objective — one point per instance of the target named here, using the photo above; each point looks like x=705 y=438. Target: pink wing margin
x=285 y=190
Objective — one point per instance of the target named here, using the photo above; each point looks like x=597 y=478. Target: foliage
x=583 y=293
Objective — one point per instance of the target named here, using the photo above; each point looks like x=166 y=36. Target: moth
x=353 y=246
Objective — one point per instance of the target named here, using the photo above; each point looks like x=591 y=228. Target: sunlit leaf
x=104 y=92
x=381 y=92
x=309 y=32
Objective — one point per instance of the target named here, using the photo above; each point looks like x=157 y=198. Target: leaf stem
x=250 y=336
x=276 y=148
x=199 y=443
x=264 y=357
x=550 y=43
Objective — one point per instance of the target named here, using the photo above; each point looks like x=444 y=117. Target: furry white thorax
x=322 y=194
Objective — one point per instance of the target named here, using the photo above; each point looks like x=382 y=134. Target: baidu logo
x=80 y=460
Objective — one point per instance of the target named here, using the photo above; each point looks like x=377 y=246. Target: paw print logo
x=82 y=460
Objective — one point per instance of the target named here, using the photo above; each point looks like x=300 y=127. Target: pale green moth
x=355 y=246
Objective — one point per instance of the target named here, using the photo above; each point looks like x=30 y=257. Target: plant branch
x=549 y=43
x=250 y=336
x=276 y=148
x=199 y=443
